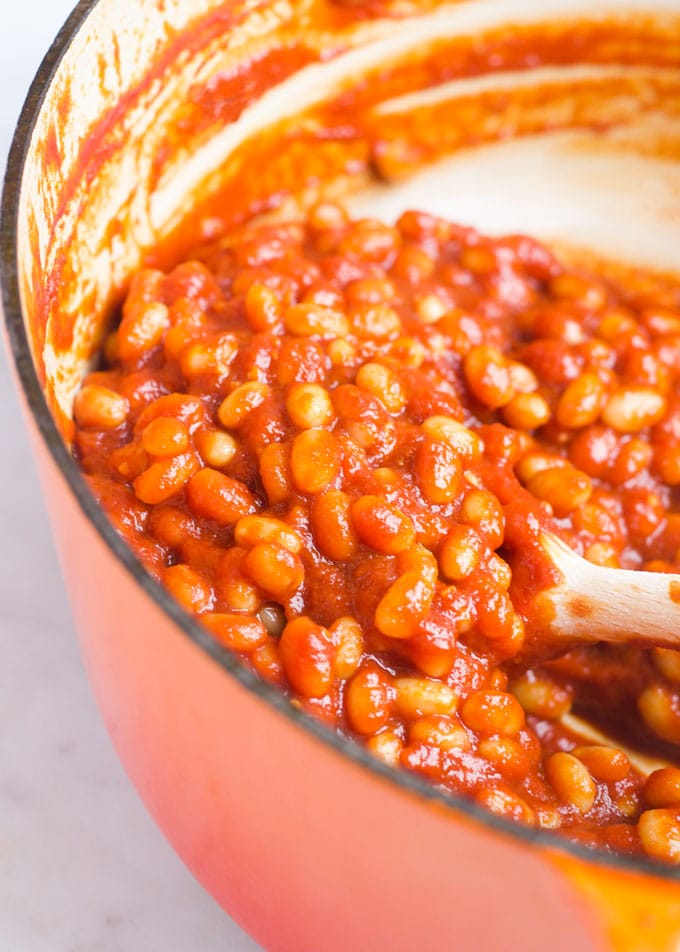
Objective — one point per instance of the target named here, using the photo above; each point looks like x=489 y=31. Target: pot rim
x=224 y=657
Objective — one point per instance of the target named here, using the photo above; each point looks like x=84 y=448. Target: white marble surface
x=82 y=867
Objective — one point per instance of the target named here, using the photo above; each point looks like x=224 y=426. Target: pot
x=141 y=115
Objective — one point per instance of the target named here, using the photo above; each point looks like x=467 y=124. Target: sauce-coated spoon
x=590 y=603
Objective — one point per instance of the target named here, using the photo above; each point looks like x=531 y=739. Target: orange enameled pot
x=143 y=109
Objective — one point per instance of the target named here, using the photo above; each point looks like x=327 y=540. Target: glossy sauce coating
x=328 y=437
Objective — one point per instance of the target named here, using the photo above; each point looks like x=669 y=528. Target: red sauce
x=336 y=441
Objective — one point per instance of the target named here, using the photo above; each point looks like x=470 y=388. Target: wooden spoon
x=589 y=604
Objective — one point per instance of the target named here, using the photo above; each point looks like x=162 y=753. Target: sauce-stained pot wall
x=335 y=98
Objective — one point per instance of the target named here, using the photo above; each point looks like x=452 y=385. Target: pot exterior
x=305 y=847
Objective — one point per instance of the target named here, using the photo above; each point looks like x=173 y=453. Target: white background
x=82 y=867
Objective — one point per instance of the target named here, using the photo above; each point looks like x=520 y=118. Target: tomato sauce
x=330 y=439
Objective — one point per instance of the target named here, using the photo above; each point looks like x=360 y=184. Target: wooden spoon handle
x=592 y=603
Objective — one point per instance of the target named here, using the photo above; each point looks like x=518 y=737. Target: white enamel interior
x=572 y=189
